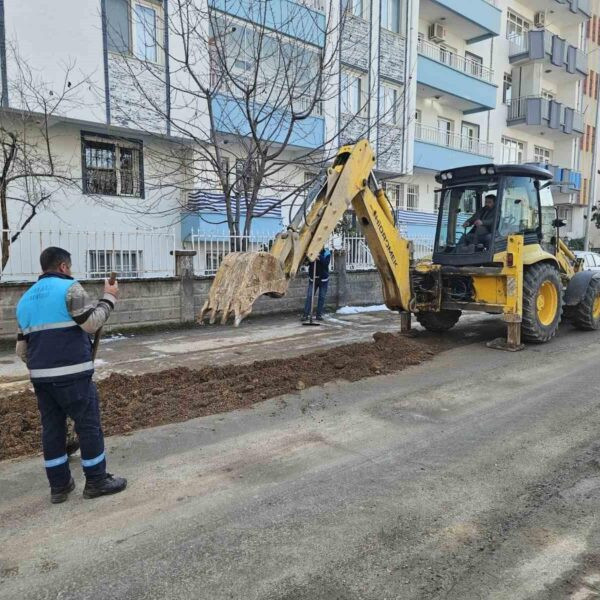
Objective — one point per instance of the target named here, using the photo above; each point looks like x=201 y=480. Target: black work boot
x=102 y=487
x=60 y=494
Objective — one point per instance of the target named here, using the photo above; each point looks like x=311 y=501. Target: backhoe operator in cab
x=482 y=223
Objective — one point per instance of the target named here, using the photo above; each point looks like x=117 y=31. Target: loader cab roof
x=486 y=171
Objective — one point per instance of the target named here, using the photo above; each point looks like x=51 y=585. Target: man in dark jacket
x=482 y=222
x=320 y=269
x=55 y=318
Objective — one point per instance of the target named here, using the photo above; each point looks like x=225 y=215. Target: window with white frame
x=412 y=197
x=353 y=92
x=542 y=155
x=474 y=64
x=507 y=88
x=513 y=151
x=390 y=15
x=244 y=177
x=358 y=8
x=126 y=263
x=389 y=103
x=395 y=193
x=516 y=25
x=134 y=27
x=112 y=166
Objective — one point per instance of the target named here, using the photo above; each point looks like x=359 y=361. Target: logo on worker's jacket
x=385 y=239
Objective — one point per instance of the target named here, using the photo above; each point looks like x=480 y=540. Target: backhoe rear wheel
x=586 y=314
x=542 y=302
x=438 y=321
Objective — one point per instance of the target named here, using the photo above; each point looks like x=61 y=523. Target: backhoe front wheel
x=438 y=320
x=542 y=302
x=586 y=314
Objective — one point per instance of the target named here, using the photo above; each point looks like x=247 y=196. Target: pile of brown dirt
x=134 y=402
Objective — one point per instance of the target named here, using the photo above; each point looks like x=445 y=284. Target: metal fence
x=94 y=254
x=211 y=249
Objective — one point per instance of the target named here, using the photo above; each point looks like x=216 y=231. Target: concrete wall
x=159 y=302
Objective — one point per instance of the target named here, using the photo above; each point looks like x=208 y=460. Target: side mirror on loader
x=558 y=223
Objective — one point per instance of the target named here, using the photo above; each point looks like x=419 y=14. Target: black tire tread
x=531 y=329
x=438 y=321
x=581 y=315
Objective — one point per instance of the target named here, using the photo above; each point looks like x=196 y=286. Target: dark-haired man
x=482 y=223
x=56 y=318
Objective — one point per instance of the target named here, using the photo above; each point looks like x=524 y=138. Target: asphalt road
x=475 y=475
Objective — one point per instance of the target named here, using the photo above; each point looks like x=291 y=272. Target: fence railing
x=94 y=254
x=212 y=249
x=461 y=63
x=433 y=135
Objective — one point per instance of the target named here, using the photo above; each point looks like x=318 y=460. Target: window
x=474 y=64
x=507 y=88
x=244 y=177
x=390 y=15
x=134 y=28
x=412 y=197
x=395 y=194
x=542 y=155
x=444 y=131
x=513 y=151
x=127 y=263
x=112 y=167
x=358 y=8
x=389 y=104
x=469 y=137
x=353 y=92
x=519 y=211
x=516 y=26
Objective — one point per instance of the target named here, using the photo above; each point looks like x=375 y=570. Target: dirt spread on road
x=174 y=395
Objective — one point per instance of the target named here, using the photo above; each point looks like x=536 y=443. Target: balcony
x=290 y=18
x=565 y=12
x=230 y=118
x=454 y=80
x=436 y=149
x=535 y=114
x=563 y=61
x=481 y=20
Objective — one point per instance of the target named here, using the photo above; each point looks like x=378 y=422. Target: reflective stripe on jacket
x=57 y=348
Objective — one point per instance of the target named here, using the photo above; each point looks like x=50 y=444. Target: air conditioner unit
x=437 y=32
x=540 y=19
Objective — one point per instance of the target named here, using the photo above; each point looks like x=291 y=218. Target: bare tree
x=249 y=95
x=32 y=174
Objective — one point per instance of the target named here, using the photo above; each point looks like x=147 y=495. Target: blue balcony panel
x=467 y=93
x=230 y=118
x=431 y=157
x=283 y=16
x=215 y=224
x=479 y=20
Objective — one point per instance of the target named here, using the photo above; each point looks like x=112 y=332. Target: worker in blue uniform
x=56 y=319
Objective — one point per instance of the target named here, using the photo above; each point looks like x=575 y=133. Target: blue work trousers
x=321 y=286
x=78 y=399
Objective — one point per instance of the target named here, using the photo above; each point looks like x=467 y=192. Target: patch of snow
x=114 y=338
x=354 y=310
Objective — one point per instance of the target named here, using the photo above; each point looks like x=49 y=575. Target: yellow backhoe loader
x=517 y=266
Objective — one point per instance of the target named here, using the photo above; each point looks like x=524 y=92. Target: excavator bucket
x=240 y=280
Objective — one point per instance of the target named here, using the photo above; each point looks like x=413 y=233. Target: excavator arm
x=244 y=276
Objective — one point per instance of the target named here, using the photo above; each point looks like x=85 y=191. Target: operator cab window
x=459 y=205
x=519 y=212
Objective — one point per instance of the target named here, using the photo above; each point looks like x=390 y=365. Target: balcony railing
x=555 y=114
x=453 y=60
x=463 y=143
